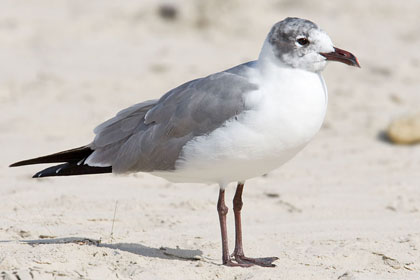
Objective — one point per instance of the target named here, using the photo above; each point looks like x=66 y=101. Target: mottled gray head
x=300 y=43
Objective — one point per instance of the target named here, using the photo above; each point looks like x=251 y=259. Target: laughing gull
x=227 y=127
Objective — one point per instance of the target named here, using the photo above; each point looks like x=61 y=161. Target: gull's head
x=300 y=43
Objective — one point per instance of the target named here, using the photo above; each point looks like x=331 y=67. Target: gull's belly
x=258 y=140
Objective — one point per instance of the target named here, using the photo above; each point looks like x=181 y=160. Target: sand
x=347 y=207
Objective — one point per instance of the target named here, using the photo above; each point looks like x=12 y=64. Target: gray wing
x=150 y=135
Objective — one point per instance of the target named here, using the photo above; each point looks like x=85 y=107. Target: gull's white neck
x=280 y=79
x=267 y=62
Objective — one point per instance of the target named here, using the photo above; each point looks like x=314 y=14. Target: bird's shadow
x=162 y=252
x=138 y=249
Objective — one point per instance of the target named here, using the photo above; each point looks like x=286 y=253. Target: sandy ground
x=347 y=207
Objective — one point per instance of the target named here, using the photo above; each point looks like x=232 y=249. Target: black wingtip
x=51 y=171
x=71 y=169
x=19 y=163
x=72 y=156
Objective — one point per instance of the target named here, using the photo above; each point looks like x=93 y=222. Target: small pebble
x=346 y=276
x=168 y=11
x=24 y=233
x=405 y=130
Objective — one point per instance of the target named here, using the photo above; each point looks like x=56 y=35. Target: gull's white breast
x=285 y=113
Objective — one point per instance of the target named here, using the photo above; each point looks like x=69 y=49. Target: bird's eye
x=302 y=41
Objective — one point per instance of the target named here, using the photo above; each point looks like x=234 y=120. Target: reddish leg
x=222 y=210
x=238 y=253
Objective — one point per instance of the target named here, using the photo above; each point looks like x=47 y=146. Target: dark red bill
x=342 y=56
